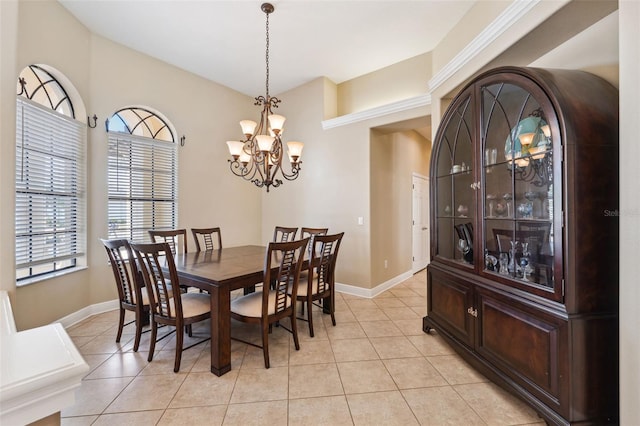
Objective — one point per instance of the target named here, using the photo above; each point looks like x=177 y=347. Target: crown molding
x=381 y=111
x=502 y=23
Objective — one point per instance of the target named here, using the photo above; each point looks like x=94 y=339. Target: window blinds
x=50 y=190
x=142 y=186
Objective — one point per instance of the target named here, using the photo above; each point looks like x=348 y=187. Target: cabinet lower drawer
x=525 y=344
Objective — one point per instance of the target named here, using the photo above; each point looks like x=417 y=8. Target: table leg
x=220 y=331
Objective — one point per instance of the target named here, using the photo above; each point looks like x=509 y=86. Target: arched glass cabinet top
x=455 y=200
x=517 y=189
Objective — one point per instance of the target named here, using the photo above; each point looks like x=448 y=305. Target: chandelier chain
x=267 y=57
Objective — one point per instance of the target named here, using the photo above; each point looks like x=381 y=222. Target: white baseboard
x=88 y=311
x=111 y=305
x=373 y=292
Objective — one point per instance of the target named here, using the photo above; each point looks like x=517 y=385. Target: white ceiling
x=224 y=41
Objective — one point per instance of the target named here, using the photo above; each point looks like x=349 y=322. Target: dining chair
x=168 y=305
x=170 y=237
x=206 y=234
x=312 y=232
x=129 y=284
x=283 y=234
x=320 y=281
x=270 y=305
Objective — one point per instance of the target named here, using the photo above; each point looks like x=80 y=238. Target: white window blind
x=142 y=186
x=50 y=190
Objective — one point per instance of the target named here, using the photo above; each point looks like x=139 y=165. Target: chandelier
x=532 y=160
x=260 y=156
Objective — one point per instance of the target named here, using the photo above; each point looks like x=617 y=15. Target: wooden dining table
x=219 y=272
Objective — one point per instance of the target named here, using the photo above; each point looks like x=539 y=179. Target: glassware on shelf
x=507 y=198
x=491 y=198
x=525 y=210
x=511 y=268
x=525 y=267
x=463 y=210
x=447 y=210
x=503 y=261
x=463 y=247
x=531 y=196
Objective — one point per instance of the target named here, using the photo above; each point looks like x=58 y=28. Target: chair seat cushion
x=145 y=297
x=303 y=287
x=194 y=304
x=251 y=304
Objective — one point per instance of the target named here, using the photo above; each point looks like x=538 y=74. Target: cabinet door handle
x=473 y=312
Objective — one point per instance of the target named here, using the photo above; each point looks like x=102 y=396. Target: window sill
x=49 y=276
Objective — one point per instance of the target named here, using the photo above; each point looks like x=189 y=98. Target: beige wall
x=394 y=158
x=394 y=83
x=108 y=77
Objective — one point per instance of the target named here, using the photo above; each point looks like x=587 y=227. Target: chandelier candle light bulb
x=259 y=158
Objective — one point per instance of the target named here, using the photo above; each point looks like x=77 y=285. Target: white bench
x=40 y=369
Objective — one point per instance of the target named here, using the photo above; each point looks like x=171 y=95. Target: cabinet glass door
x=455 y=197
x=517 y=190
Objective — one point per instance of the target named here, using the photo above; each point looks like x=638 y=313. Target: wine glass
x=504 y=263
x=508 y=197
x=463 y=247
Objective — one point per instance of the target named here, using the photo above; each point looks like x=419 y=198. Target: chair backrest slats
x=163 y=288
x=326 y=254
x=207 y=236
x=170 y=237
x=289 y=256
x=283 y=234
x=125 y=270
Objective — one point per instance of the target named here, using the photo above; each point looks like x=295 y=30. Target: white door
x=420 y=222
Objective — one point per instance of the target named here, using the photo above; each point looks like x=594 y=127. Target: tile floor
x=375 y=367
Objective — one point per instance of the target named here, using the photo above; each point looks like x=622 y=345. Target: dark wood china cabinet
x=523 y=279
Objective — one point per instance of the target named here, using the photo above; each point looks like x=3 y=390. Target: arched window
x=142 y=169
x=50 y=178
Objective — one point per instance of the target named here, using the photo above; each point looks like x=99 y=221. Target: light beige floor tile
x=431 y=344
x=421 y=311
x=121 y=365
x=201 y=389
x=257 y=413
x=163 y=361
x=78 y=421
x=380 y=408
x=94 y=396
x=203 y=364
x=342 y=316
x=278 y=355
x=402 y=313
x=414 y=301
x=102 y=345
x=394 y=347
x=359 y=304
x=345 y=350
x=148 y=393
x=496 y=406
x=196 y=416
x=365 y=376
x=411 y=373
x=380 y=328
x=91 y=328
x=455 y=370
x=370 y=314
x=94 y=361
x=307 y=381
x=324 y=411
x=141 y=418
x=311 y=352
x=403 y=292
x=80 y=341
x=389 y=302
x=410 y=327
x=439 y=406
x=261 y=384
